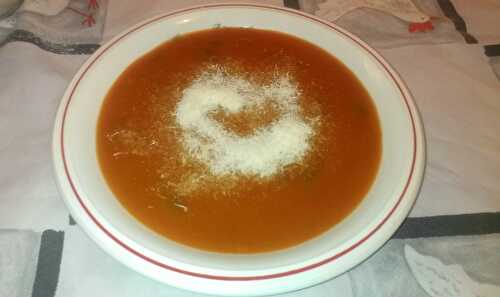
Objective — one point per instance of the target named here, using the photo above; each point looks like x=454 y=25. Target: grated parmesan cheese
x=263 y=153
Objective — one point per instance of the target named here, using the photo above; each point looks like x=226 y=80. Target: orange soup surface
x=238 y=140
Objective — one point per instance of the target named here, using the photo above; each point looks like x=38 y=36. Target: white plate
x=96 y=210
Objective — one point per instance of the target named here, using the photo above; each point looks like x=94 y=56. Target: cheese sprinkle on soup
x=238 y=140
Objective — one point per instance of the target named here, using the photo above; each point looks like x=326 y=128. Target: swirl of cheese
x=265 y=152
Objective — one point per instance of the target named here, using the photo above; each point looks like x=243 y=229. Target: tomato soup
x=238 y=140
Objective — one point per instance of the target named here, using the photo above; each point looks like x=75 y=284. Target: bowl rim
x=416 y=128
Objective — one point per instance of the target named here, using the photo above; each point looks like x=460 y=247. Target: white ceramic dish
x=96 y=210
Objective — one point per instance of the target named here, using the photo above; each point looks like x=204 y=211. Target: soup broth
x=238 y=140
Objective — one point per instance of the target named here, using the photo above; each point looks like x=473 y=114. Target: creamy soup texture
x=238 y=140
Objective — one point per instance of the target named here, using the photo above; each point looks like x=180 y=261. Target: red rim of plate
x=371 y=51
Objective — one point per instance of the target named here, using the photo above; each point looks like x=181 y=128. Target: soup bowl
x=98 y=212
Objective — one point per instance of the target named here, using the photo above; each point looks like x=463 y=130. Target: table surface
x=449 y=245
